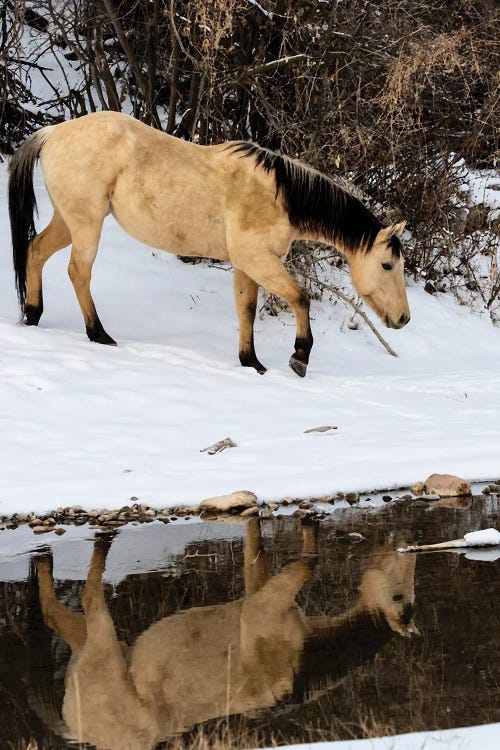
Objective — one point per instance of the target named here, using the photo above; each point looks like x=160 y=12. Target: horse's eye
x=387 y=266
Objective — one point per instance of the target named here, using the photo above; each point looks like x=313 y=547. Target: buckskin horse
x=233 y=202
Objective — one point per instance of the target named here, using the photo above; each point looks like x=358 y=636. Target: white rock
x=234 y=501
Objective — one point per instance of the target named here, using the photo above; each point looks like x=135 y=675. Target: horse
x=220 y=660
x=234 y=202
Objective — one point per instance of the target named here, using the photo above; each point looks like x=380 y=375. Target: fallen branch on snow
x=360 y=312
x=221 y=445
x=485 y=538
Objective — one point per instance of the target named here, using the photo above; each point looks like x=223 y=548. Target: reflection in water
x=258 y=635
x=214 y=661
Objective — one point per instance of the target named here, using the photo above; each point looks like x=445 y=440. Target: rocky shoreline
x=238 y=504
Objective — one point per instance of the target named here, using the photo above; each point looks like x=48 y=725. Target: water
x=241 y=630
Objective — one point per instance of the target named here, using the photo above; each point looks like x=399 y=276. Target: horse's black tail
x=22 y=205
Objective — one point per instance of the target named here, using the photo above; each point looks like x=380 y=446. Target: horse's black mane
x=316 y=204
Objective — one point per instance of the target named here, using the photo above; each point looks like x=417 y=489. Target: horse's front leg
x=245 y=294
x=266 y=270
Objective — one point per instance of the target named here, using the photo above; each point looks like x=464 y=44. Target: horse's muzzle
x=399 y=323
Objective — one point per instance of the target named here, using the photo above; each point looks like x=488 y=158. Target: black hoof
x=32 y=315
x=298 y=367
x=252 y=362
x=97 y=334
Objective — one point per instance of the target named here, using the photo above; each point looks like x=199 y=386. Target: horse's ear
x=393 y=229
x=399 y=228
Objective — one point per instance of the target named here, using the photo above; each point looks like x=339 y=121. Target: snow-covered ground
x=485 y=737
x=75 y=415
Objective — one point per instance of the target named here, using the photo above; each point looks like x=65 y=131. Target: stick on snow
x=485 y=538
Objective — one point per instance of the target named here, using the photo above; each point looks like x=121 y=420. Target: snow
x=486 y=737
x=75 y=415
x=484 y=538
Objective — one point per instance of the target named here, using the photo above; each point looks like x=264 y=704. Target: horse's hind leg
x=53 y=238
x=83 y=253
x=245 y=294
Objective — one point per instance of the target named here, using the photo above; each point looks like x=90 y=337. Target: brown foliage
x=386 y=96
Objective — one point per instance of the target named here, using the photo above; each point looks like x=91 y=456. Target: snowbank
x=486 y=737
x=75 y=415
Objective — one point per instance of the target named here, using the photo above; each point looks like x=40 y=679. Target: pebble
x=386 y=498
x=59 y=531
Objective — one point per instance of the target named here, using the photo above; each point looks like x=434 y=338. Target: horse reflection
x=211 y=661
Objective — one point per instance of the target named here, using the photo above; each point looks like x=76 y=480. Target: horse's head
x=387 y=588
x=378 y=276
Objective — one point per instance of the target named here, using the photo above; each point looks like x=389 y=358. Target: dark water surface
x=139 y=639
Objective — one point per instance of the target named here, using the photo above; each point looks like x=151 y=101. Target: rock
x=59 y=531
x=235 y=501
x=35 y=522
x=386 y=498
x=419 y=504
x=354 y=536
x=182 y=510
x=352 y=497
x=42 y=529
x=252 y=511
x=266 y=513
x=304 y=504
x=417 y=488
x=447 y=485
